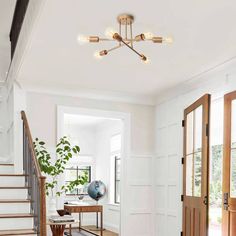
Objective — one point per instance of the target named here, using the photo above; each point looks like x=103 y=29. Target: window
x=194 y=152
x=116 y=162
x=117 y=179
x=73 y=172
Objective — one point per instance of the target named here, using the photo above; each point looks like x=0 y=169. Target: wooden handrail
x=38 y=205
x=31 y=144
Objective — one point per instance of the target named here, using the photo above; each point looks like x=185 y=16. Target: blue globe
x=96 y=190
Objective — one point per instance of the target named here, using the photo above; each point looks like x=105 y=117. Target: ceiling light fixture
x=124 y=37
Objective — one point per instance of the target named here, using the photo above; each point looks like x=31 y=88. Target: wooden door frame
x=205 y=102
x=228 y=98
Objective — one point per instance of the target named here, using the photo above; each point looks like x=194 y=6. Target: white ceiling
x=6 y=14
x=204 y=35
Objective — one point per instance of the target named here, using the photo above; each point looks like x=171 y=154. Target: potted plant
x=55 y=168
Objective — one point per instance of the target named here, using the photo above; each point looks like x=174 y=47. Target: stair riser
x=16 y=223
x=13 y=193
x=6 y=169
x=14 y=208
x=12 y=181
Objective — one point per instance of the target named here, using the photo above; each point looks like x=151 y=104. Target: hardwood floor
x=105 y=233
x=82 y=233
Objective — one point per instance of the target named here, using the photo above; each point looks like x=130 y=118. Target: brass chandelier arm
x=124 y=37
x=137 y=38
x=131 y=48
x=113 y=40
x=114 y=48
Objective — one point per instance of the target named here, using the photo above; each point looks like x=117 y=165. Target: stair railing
x=34 y=180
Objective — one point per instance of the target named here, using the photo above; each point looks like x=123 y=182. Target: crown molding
x=214 y=77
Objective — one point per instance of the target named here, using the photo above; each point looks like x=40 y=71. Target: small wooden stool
x=59 y=228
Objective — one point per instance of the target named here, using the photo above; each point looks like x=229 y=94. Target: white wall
x=11 y=104
x=2 y=124
x=42 y=110
x=84 y=137
x=6 y=124
x=169 y=136
x=94 y=142
x=104 y=132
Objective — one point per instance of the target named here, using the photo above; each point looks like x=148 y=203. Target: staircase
x=22 y=196
x=15 y=216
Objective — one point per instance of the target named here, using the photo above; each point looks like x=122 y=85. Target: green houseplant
x=53 y=169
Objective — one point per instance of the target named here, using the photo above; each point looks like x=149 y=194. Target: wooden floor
x=105 y=233
x=82 y=233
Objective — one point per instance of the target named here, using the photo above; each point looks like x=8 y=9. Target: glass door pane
x=197 y=174
x=233 y=174
x=198 y=129
x=189 y=175
x=233 y=151
x=190 y=124
x=194 y=154
x=233 y=124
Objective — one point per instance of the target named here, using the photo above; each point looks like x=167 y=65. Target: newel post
x=43 y=223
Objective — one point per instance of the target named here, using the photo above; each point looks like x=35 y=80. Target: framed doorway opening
x=116 y=194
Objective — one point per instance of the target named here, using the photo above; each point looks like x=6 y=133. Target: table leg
x=79 y=221
x=101 y=223
x=97 y=219
x=70 y=230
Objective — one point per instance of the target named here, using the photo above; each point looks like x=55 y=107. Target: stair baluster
x=34 y=180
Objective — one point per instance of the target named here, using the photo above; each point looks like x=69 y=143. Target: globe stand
x=96 y=190
x=96 y=228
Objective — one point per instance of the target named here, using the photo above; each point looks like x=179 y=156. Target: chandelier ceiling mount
x=124 y=37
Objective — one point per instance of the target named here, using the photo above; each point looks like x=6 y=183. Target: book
x=61 y=219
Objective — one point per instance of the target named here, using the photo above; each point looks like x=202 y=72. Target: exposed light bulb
x=148 y=35
x=147 y=61
x=82 y=39
x=97 y=55
x=110 y=32
x=168 y=40
x=103 y=53
x=139 y=37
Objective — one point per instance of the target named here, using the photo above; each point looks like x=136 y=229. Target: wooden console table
x=86 y=209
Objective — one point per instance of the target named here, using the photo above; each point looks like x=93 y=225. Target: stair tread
x=14 y=200
x=18 y=215
x=14 y=187
x=17 y=232
x=13 y=175
x=6 y=164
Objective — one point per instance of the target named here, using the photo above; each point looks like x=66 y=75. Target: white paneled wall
x=168 y=169
x=137 y=214
x=6 y=121
x=169 y=145
x=2 y=112
x=141 y=190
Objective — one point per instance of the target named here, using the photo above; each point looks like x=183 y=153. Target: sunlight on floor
x=215 y=222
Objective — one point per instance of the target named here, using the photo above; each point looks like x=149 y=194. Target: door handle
x=226 y=201
x=205 y=201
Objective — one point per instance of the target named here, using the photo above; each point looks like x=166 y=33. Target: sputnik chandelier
x=124 y=37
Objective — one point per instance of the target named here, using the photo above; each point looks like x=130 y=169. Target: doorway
x=102 y=137
x=221 y=171
x=196 y=167
x=216 y=166
x=229 y=166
